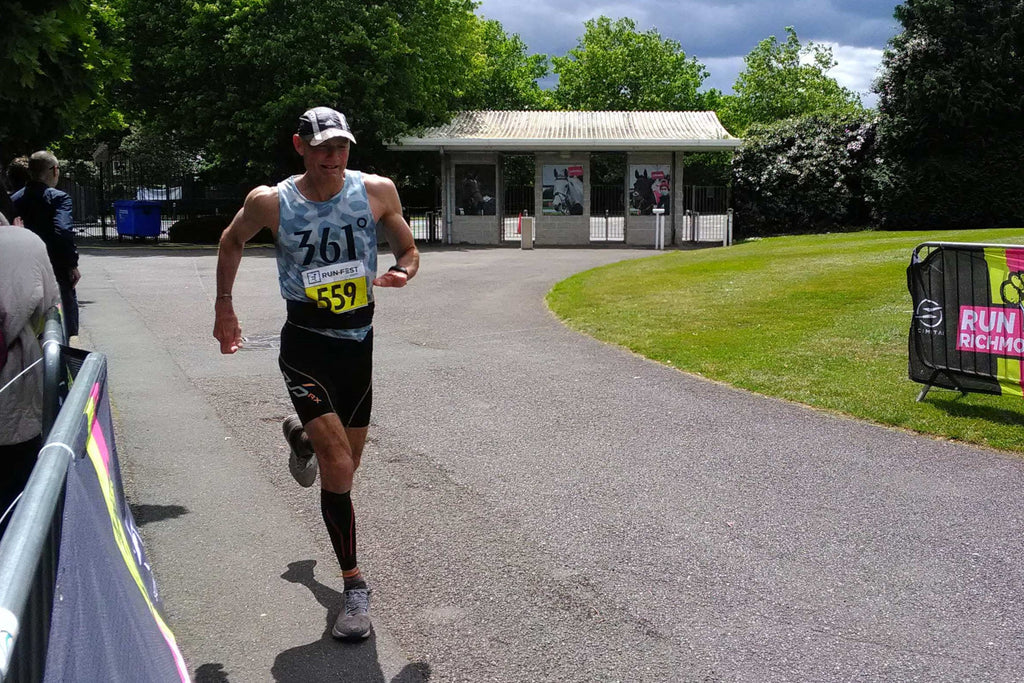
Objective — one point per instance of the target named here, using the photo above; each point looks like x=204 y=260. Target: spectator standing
x=46 y=211
x=28 y=289
x=17 y=174
x=6 y=205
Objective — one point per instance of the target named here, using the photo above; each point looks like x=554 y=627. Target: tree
x=805 y=174
x=785 y=80
x=951 y=129
x=61 y=61
x=158 y=157
x=504 y=75
x=231 y=76
x=616 y=68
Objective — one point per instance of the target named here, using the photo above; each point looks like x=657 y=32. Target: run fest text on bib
x=339 y=287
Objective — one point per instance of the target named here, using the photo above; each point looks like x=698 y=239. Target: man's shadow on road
x=329 y=659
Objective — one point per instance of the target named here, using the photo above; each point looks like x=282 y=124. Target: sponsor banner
x=967 y=331
x=106 y=623
x=985 y=329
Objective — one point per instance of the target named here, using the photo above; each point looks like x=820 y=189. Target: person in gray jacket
x=28 y=289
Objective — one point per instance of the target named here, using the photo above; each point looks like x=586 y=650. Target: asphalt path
x=535 y=505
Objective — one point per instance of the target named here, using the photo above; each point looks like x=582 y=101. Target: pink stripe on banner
x=1015 y=259
x=96 y=431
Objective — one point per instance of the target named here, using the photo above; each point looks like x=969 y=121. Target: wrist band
x=223 y=296
x=399 y=269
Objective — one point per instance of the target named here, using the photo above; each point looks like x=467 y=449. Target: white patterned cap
x=320 y=124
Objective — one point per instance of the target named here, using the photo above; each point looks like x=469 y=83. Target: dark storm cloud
x=719 y=34
x=705 y=29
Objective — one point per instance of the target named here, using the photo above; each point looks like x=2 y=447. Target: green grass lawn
x=821 y=319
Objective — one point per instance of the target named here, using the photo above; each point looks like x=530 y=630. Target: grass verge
x=821 y=319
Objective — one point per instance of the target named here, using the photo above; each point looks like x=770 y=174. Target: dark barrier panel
x=29 y=548
x=106 y=624
x=77 y=598
x=966 y=332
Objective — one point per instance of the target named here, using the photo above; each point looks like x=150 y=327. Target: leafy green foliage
x=804 y=175
x=782 y=81
x=504 y=75
x=232 y=76
x=616 y=68
x=158 y=155
x=207 y=230
x=950 y=127
x=61 y=62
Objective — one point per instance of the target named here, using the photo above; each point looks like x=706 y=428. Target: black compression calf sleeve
x=340 y=518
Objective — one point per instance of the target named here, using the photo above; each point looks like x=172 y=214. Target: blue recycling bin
x=137 y=218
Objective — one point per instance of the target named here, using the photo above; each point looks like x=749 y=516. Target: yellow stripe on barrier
x=997 y=273
x=1008 y=370
x=99 y=455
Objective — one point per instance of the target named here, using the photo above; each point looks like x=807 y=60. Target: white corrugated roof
x=578 y=130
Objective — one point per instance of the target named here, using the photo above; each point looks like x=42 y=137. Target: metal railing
x=425 y=224
x=30 y=547
x=965 y=333
x=701 y=227
x=54 y=379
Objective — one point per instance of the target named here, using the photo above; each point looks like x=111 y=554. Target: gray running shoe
x=302 y=462
x=354 y=621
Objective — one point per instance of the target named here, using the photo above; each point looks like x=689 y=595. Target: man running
x=325 y=227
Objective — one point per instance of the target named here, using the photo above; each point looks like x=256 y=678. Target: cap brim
x=330 y=133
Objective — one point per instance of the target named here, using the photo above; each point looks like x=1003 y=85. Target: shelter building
x=475 y=202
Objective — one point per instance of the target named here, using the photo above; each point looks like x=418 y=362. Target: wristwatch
x=399 y=269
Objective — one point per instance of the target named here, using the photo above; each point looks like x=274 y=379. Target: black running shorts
x=328 y=375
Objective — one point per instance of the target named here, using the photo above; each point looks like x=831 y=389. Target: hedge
x=207 y=230
x=810 y=174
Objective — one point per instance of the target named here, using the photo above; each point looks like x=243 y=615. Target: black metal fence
x=426 y=224
x=96 y=188
x=517 y=201
x=706 y=199
x=607 y=200
x=707 y=215
x=607 y=213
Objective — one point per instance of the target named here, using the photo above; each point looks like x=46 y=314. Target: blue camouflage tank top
x=327 y=258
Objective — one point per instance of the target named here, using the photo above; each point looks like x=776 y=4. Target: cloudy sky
x=718 y=34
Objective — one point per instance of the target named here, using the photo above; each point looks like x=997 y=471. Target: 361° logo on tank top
x=339 y=288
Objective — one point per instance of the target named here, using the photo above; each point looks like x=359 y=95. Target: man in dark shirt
x=46 y=211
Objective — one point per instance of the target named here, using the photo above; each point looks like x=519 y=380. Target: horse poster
x=562 y=190
x=474 y=189
x=651 y=189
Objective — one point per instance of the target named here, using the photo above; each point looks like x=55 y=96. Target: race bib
x=338 y=288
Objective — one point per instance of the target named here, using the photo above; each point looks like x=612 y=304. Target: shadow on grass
x=955 y=407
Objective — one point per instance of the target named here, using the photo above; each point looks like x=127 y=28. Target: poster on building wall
x=650 y=190
x=475 y=189
x=562 y=190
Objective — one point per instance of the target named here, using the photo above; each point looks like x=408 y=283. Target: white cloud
x=856 y=68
